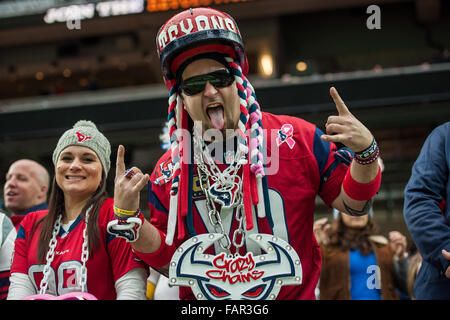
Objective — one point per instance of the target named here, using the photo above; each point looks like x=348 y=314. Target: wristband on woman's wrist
x=368 y=155
x=124 y=218
x=125 y=214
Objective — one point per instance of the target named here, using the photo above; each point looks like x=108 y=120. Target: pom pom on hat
x=85 y=133
x=85 y=123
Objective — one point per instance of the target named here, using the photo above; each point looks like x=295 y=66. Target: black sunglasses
x=219 y=79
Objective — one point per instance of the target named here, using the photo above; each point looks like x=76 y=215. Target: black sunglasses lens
x=219 y=79
x=193 y=86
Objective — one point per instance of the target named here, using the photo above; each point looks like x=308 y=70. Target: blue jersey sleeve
x=428 y=185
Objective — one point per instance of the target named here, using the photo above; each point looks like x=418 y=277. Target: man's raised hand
x=127 y=183
x=345 y=128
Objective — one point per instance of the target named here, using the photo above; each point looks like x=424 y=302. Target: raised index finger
x=340 y=105
x=120 y=162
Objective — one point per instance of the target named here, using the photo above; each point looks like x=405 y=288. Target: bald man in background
x=25 y=189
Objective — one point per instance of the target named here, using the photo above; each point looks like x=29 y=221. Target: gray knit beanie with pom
x=85 y=133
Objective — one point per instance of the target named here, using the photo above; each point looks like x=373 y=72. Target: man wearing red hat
x=232 y=201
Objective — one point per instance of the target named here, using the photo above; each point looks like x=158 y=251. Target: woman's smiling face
x=78 y=171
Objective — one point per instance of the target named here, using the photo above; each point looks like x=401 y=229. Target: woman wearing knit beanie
x=65 y=252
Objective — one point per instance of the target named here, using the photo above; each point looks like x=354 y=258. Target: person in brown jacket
x=357 y=262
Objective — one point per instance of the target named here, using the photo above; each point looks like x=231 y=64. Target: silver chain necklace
x=221 y=192
x=51 y=254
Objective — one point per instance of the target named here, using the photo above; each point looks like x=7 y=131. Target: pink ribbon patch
x=285 y=135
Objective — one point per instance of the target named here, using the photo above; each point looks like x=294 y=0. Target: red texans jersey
x=111 y=260
x=300 y=166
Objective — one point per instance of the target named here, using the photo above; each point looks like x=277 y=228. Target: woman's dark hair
x=352 y=238
x=56 y=207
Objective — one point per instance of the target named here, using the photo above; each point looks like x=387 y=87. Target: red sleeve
x=333 y=164
x=19 y=263
x=333 y=173
x=332 y=187
x=160 y=257
x=121 y=255
x=23 y=244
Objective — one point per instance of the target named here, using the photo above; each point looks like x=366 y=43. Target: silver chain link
x=227 y=180
x=51 y=254
x=84 y=253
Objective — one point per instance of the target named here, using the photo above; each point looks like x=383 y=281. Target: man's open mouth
x=216 y=115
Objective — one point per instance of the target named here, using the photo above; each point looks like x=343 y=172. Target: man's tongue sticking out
x=216 y=117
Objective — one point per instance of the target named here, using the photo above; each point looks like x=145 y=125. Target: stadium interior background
x=396 y=80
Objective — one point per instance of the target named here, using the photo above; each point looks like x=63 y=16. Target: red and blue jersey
x=17 y=218
x=300 y=166
x=111 y=260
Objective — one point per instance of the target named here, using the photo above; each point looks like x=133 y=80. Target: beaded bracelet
x=369 y=160
x=368 y=155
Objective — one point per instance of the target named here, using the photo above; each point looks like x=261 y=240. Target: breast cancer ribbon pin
x=285 y=135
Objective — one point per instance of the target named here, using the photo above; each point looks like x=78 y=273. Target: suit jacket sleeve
x=428 y=185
